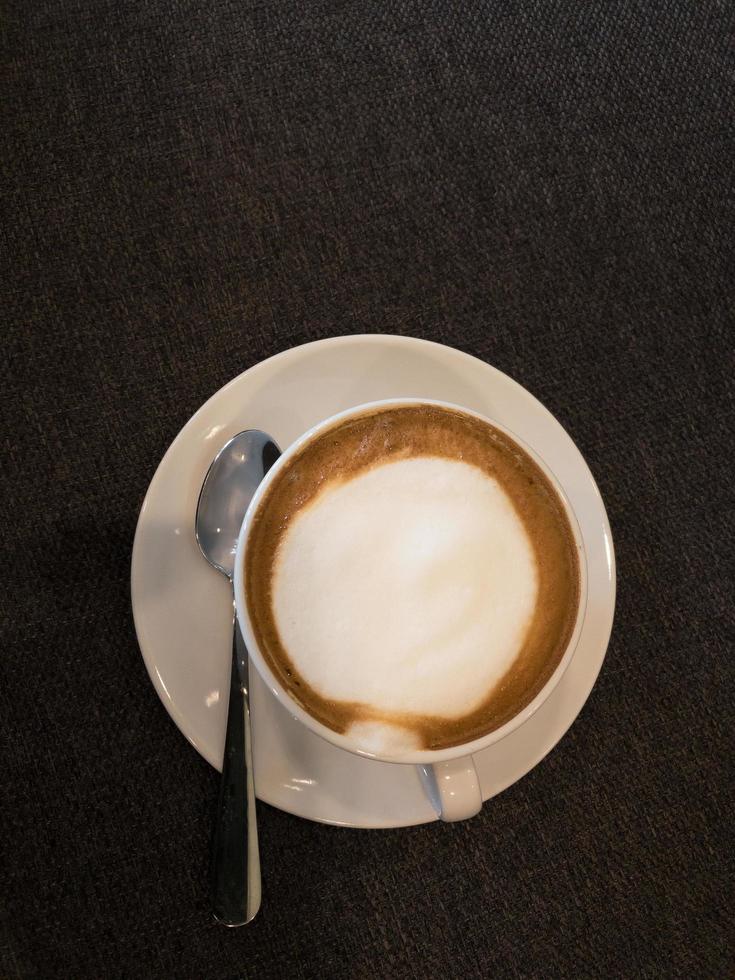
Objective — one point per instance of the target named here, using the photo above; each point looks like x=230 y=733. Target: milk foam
x=408 y=588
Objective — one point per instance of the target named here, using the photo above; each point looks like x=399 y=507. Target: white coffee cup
x=449 y=775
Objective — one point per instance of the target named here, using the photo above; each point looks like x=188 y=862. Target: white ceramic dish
x=182 y=607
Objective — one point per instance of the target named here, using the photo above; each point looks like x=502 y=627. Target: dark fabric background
x=193 y=185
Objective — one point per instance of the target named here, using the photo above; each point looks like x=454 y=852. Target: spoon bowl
x=231 y=480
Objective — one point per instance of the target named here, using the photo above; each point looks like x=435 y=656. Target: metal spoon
x=228 y=488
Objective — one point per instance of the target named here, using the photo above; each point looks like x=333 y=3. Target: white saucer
x=183 y=608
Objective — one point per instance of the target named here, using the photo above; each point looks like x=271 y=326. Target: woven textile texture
x=191 y=186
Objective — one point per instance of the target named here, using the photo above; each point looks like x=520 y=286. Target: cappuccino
x=412 y=578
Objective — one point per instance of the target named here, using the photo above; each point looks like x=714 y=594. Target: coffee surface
x=412 y=578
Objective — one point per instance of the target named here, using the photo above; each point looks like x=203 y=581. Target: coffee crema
x=412 y=578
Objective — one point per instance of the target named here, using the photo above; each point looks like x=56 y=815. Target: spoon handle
x=235 y=861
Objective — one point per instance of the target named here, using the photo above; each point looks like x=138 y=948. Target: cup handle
x=453 y=788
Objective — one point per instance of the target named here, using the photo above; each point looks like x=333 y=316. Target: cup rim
x=417 y=756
